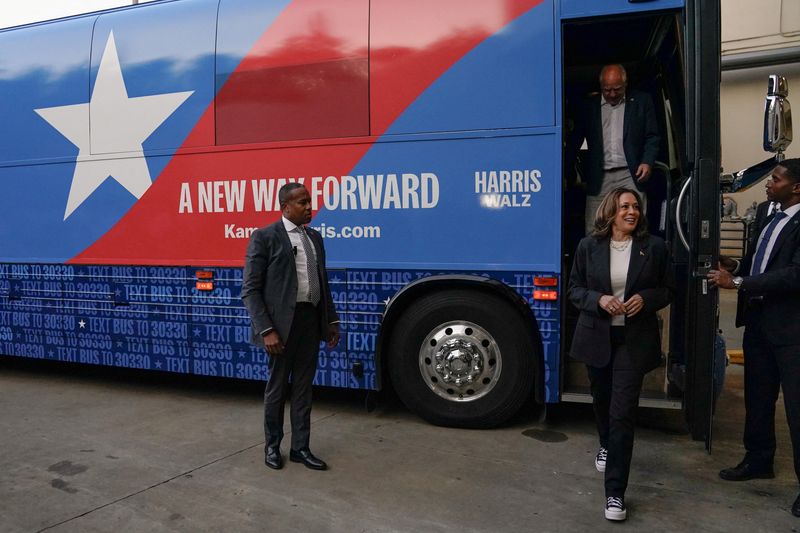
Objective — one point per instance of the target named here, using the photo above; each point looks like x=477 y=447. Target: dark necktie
x=311 y=267
x=762 y=246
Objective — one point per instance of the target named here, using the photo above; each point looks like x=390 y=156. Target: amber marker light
x=204 y=285
x=545 y=295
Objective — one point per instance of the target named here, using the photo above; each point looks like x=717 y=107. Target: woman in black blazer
x=620 y=278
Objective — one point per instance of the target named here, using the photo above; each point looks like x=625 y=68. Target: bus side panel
x=133 y=317
x=201 y=233
x=150 y=318
x=198 y=203
x=457 y=203
x=109 y=131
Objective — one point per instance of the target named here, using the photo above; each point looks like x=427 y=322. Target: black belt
x=614 y=169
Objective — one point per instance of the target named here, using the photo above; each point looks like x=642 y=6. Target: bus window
x=153 y=49
x=305 y=78
x=45 y=61
x=479 y=91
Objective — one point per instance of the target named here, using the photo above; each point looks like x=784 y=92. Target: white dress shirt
x=618 y=268
x=613 y=118
x=299 y=259
x=790 y=212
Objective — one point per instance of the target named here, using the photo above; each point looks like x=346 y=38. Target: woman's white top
x=620 y=259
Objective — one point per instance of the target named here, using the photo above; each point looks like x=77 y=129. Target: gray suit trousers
x=298 y=362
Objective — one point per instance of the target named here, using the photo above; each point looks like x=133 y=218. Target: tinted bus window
x=306 y=77
x=460 y=38
x=41 y=67
x=168 y=70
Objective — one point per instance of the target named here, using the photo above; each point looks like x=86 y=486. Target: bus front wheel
x=462 y=358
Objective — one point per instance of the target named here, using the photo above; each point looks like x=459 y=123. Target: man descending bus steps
x=621 y=134
x=768 y=282
x=285 y=289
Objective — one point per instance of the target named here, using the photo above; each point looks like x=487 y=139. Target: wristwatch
x=737 y=282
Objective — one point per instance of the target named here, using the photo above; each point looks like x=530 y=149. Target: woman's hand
x=633 y=305
x=611 y=305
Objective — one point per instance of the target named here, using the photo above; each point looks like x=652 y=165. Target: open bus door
x=697 y=220
x=672 y=52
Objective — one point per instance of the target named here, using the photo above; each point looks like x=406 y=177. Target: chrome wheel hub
x=460 y=361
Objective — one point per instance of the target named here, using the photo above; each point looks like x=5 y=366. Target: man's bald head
x=613 y=81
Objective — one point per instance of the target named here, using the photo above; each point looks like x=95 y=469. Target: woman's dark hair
x=607 y=211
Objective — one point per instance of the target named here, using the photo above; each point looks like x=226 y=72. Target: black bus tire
x=463 y=333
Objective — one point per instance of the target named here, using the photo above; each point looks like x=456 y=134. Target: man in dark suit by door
x=285 y=289
x=621 y=134
x=768 y=281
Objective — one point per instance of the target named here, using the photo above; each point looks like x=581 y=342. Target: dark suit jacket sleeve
x=579 y=293
x=661 y=295
x=652 y=140
x=779 y=280
x=255 y=275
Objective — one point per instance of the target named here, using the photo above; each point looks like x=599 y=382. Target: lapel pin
x=641 y=252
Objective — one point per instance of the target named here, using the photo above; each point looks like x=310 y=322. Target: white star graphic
x=82 y=324
x=110 y=123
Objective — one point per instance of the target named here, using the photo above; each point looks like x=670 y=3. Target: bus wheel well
x=480 y=286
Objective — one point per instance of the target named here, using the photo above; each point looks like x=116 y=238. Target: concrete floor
x=88 y=449
x=727 y=320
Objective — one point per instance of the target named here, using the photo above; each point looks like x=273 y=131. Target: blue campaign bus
x=142 y=145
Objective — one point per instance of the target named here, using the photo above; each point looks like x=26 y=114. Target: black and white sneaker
x=600 y=459
x=615 y=508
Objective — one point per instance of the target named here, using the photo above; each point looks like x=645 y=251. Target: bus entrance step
x=646 y=399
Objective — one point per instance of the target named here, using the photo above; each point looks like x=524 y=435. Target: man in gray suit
x=621 y=133
x=285 y=289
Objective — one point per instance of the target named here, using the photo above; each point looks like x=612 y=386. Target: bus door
x=649 y=41
x=670 y=49
x=697 y=214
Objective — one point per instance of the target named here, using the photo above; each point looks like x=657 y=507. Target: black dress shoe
x=308 y=459
x=744 y=471
x=796 y=507
x=273 y=458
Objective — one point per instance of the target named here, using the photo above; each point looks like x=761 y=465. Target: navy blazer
x=640 y=138
x=269 y=284
x=649 y=275
x=777 y=289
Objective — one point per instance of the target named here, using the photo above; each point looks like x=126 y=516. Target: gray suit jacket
x=649 y=275
x=269 y=286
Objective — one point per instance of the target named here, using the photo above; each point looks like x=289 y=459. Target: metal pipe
x=765 y=58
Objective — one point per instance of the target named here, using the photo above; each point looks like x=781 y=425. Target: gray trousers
x=298 y=362
x=611 y=180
